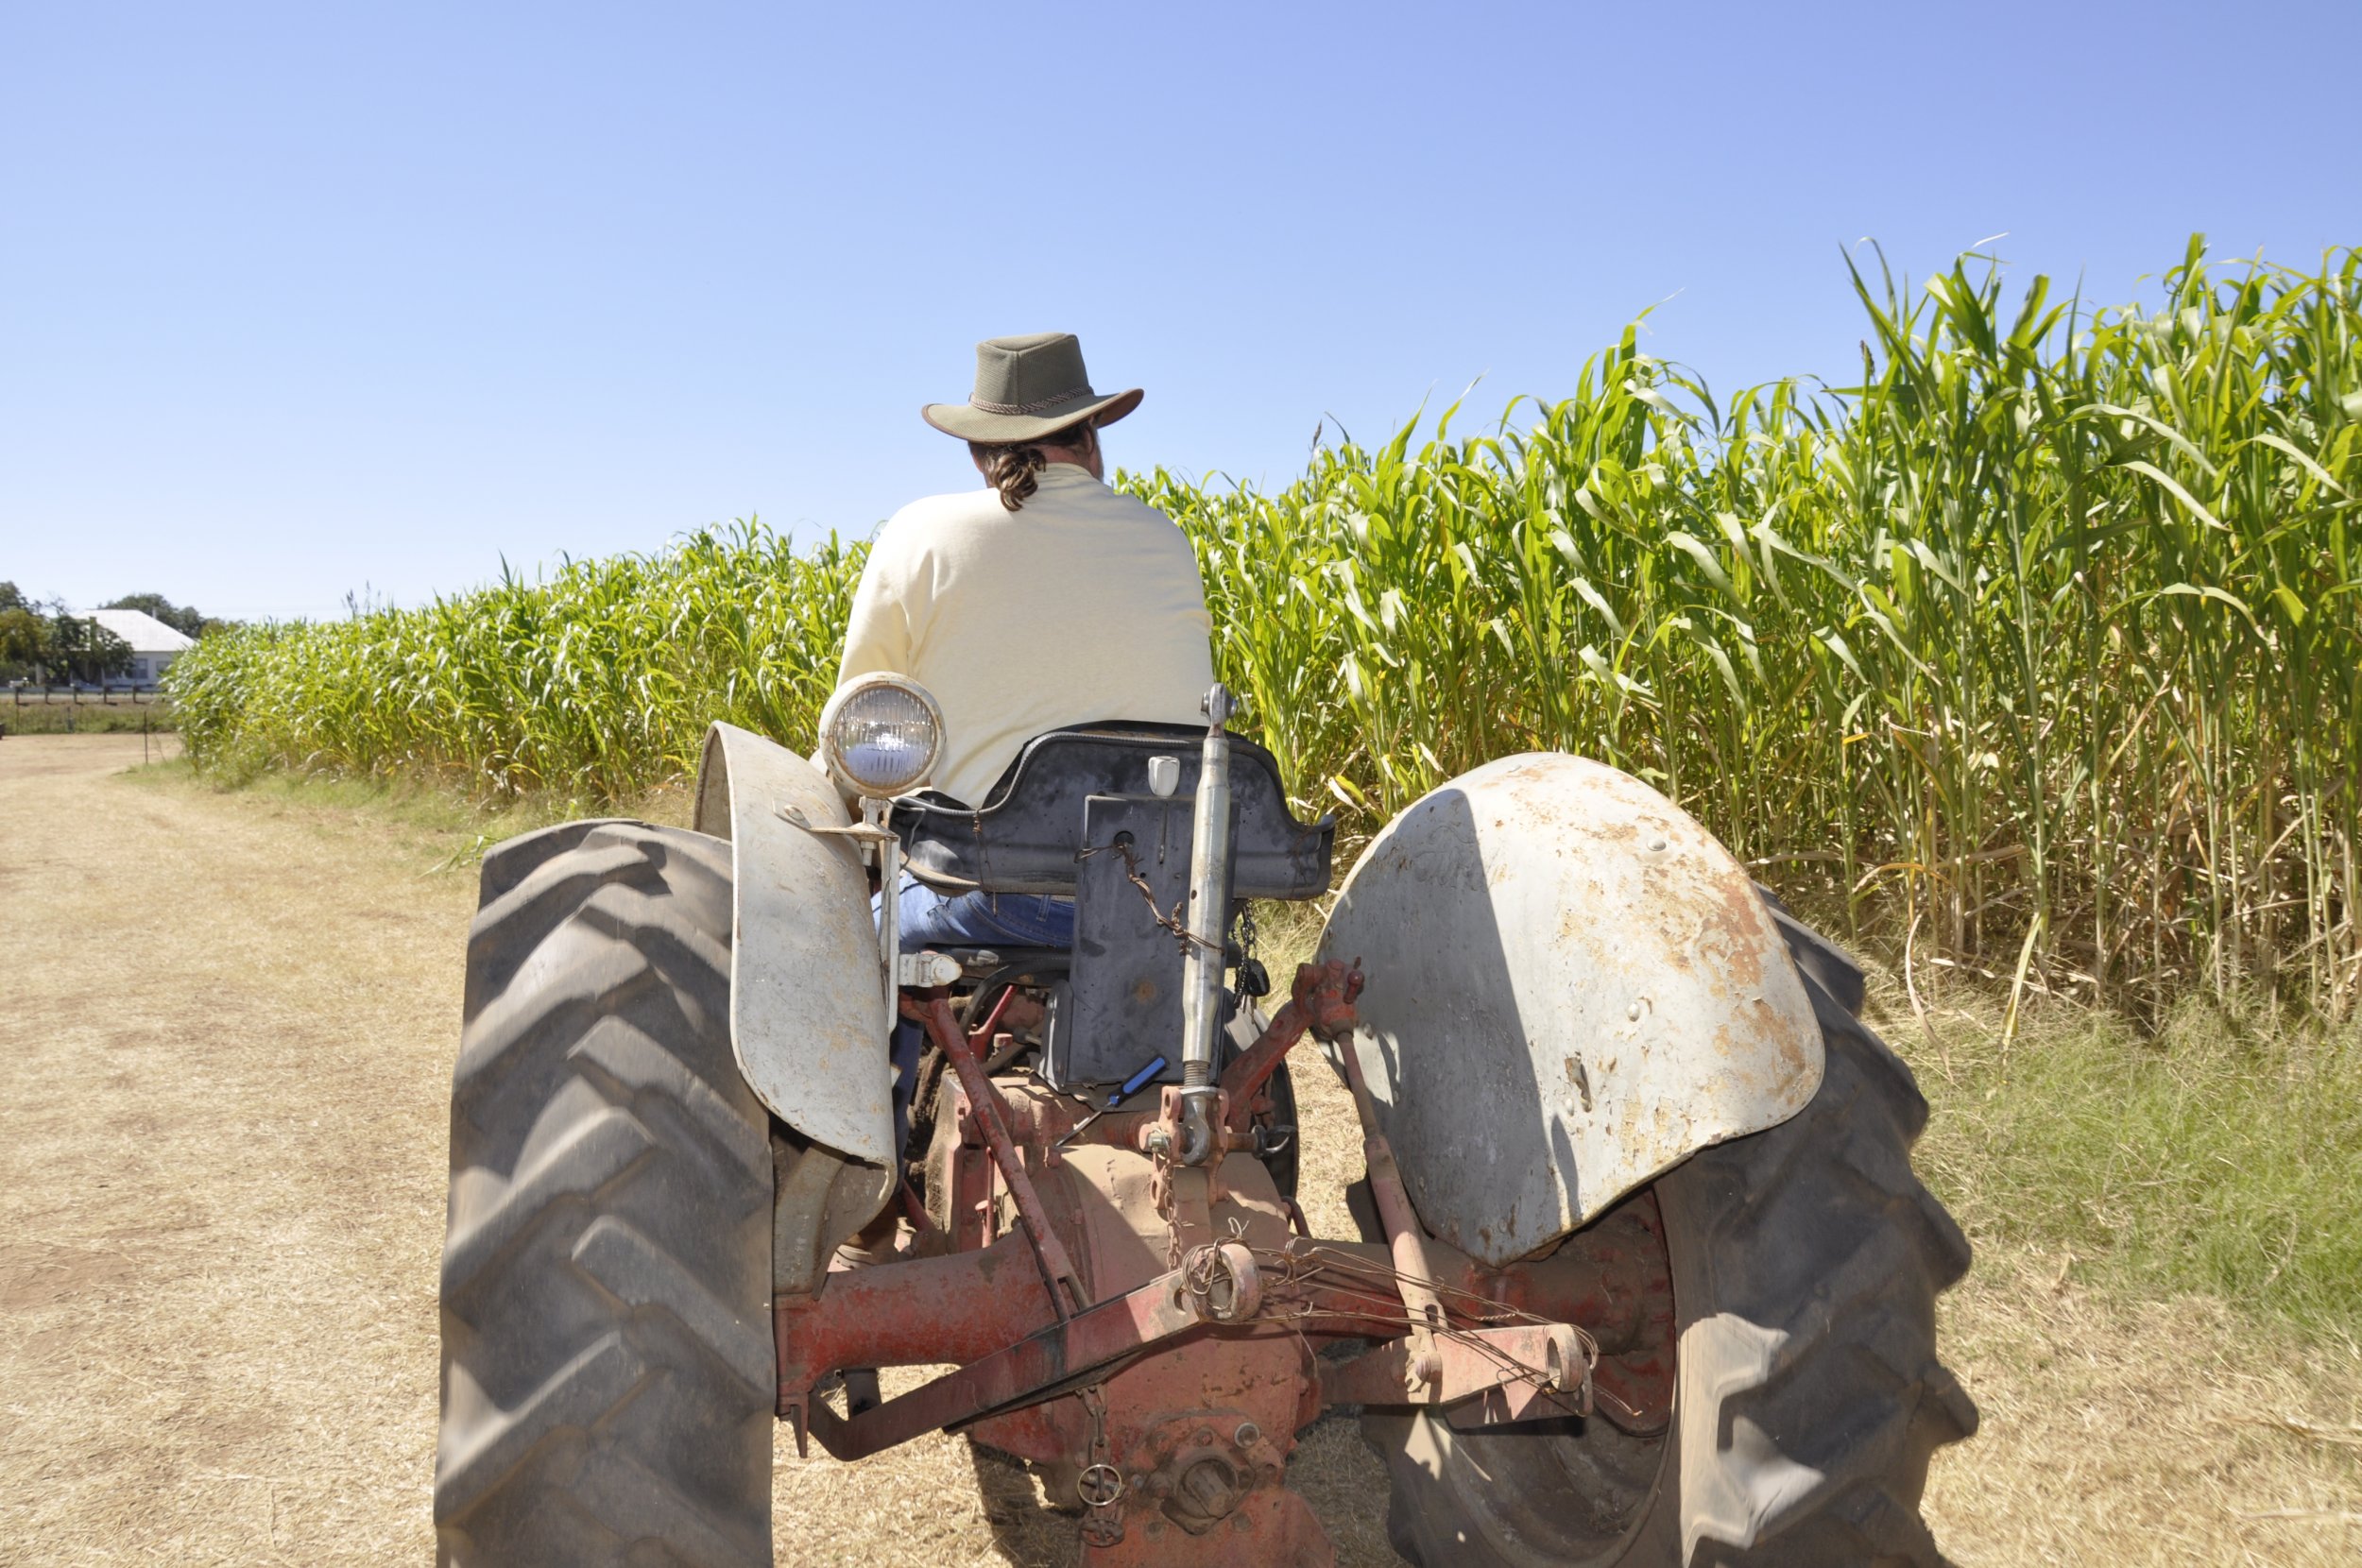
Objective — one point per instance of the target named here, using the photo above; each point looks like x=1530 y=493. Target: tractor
x=1644 y=1275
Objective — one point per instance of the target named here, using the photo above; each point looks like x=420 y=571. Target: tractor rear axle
x=1165 y=1409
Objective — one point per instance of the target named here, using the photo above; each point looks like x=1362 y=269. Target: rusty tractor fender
x=806 y=1016
x=1573 y=987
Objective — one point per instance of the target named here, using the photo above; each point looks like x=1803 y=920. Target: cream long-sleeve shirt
x=1084 y=605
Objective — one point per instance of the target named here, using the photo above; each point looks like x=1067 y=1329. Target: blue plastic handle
x=1132 y=1084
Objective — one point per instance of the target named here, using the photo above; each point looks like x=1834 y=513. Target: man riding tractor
x=942 y=1047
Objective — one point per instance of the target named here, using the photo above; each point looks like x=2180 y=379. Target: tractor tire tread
x=607 y=1364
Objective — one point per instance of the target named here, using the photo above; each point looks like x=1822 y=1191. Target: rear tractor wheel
x=608 y=1370
x=1804 y=1262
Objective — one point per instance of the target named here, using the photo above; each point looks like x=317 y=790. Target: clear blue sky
x=296 y=298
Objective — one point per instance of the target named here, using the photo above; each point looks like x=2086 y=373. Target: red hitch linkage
x=1057 y=1270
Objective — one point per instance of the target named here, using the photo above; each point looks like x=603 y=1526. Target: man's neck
x=1091 y=458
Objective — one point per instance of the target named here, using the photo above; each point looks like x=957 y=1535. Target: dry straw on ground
x=226 y=1032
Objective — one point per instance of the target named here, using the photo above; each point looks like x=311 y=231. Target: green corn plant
x=2036 y=646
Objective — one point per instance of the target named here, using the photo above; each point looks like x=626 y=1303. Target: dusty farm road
x=226 y=1032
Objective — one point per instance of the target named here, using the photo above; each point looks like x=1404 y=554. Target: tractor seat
x=1075 y=815
x=1029 y=834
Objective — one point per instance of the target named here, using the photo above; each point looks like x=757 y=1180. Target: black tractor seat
x=1027 y=835
x=1075 y=815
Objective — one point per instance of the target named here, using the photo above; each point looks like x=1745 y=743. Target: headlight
x=882 y=735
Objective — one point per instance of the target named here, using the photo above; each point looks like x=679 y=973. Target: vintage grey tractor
x=1644 y=1274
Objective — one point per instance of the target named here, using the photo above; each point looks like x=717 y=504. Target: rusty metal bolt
x=1204 y=1436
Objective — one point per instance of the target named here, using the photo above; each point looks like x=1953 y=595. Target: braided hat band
x=1037 y=406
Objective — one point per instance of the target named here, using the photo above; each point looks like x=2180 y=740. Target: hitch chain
x=1101 y=1483
x=1172 y=922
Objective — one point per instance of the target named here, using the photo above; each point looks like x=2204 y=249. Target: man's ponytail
x=1011 y=469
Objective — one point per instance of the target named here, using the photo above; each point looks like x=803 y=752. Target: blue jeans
x=931 y=919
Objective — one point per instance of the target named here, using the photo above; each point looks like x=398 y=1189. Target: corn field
x=2038 y=647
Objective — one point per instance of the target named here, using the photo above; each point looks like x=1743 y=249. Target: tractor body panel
x=807 y=1002
x=1573 y=987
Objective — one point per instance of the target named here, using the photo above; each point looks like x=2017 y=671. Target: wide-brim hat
x=1026 y=387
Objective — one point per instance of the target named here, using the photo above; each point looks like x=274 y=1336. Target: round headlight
x=882 y=735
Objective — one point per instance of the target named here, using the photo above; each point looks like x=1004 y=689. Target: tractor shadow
x=1028 y=1531
x=1333 y=1468
x=1475 y=1131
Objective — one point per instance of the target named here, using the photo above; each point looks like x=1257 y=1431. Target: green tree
x=83 y=650
x=25 y=636
x=28 y=638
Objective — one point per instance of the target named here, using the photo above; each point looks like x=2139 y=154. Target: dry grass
x=219 y=1172
x=86 y=718
x=2137 y=1433
x=2126 y=1420
x=226 y=1033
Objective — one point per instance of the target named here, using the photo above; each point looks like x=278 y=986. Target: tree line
x=42 y=640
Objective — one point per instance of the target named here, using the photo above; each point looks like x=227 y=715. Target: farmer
x=1042 y=601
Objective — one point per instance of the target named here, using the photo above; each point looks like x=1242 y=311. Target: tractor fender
x=1572 y=988
x=808 y=1018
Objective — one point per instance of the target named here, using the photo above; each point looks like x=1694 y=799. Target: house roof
x=143 y=631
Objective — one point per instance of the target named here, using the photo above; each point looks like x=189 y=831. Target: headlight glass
x=883 y=734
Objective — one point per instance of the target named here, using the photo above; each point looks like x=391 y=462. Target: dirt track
x=226 y=1032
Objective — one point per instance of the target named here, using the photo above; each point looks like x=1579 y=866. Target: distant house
x=154 y=645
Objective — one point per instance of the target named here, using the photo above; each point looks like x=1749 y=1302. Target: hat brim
x=970 y=424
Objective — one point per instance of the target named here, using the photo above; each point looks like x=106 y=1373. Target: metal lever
x=1132 y=1086
x=874 y=814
